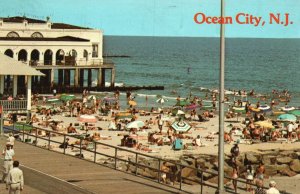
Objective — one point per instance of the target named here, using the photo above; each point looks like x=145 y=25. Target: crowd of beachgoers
x=190 y=125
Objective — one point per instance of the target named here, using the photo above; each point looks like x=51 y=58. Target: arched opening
x=13 y=35
x=48 y=57
x=60 y=56
x=71 y=59
x=37 y=35
x=34 y=57
x=22 y=55
x=9 y=53
x=85 y=55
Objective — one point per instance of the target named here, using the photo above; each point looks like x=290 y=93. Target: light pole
x=221 y=103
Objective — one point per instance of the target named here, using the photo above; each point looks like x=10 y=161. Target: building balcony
x=13 y=105
x=71 y=63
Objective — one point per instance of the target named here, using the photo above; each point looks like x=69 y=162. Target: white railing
x=13 y=105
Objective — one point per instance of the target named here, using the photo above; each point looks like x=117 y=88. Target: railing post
x=49 y=140
x=201 y=182
x=116 y=155
x=36 y=134
x=136 y=163
x=23 y=133
x=159 y=173
x=180 y=184
x=95 y=152
x=65 y=142
x=80 y=151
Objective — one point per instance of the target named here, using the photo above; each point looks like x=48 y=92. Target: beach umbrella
x=135 y=125
x=177 y=112
x=287 y=108
x=53 y=100
x=182 y=103
x=87 y=119
x=123 y=115
x=161 y=100
x=239 y=109
x=265 y=124
x=180 y=126
x=132 y=103
x=191 y=107
x=295 y=112
x=287 y=117
x=65 y=97
x=255 y=110
x=92 y=97
x=109 y=99
x=264 y=108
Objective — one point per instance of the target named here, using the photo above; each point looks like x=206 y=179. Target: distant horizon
x=197 y=37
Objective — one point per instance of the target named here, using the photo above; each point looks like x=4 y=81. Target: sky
x=159 y=17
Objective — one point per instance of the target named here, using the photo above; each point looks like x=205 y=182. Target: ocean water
x=186 y=64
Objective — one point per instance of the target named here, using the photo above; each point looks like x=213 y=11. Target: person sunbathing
x=71 y=129
x=210 y=136
x=197 y=141
x=142 y=147
x=227 y=138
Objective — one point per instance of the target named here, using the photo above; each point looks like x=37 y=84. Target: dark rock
x=283 y=160
x=282 y=167
x=269 y=159
x=295 y=165
x=252 y=158
x=287 y=172
x=271 y=170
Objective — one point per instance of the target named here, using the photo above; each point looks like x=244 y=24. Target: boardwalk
x=72 y=175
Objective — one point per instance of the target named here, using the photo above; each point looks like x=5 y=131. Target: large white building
x=55 y=49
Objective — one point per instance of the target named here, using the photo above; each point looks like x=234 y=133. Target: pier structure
x=68 y=55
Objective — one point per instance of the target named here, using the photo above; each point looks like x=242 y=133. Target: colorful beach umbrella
x=135 y=125
x=295 y=112
x=123 y=115
x=265 y=124
x=109 y=99
x=182 y=103
x=67 y=97
x=53 y=100
x=287 y=108
x=177 y=112
x=132 y=103
x=238 y=109
x=181 y=126
x=191 y=107
x=87 y=119
x=161 y=100
x=287 y=117
x=264 y=108
x=92 y=97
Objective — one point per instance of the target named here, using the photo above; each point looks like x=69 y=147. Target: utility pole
x=221 y=103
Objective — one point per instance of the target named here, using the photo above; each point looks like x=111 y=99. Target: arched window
x=73 y=53
x=13 y=34
x=9 y=53
x=60 y=57
x=85 y=55
x=34 y=57
x=48 y=57
x=22 y=55
x=37 y=35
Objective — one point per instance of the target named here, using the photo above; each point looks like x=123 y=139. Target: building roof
x=19 y=19
x=10 y=66
x=62 y=38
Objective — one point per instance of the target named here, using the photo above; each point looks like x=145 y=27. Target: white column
x=15 y=85
x=28 y=93
x=1 y=84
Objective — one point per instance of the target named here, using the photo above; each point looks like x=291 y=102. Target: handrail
x=116 y=158
x=13 y=105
